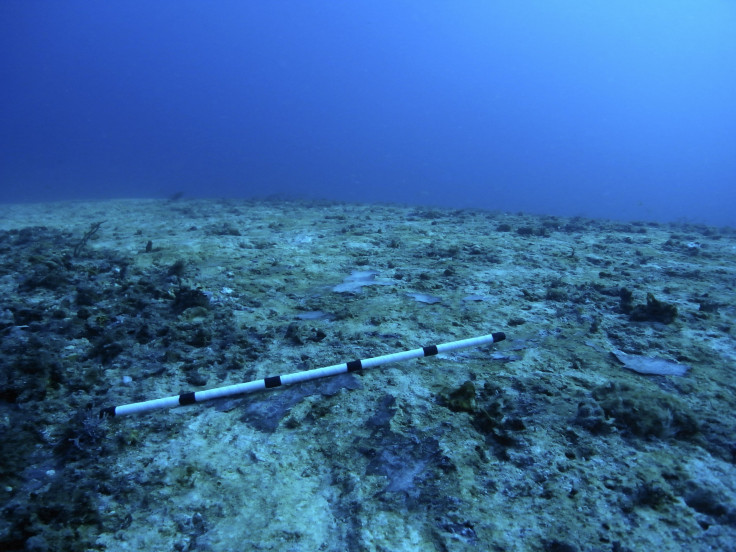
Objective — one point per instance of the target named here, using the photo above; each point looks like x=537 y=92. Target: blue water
x=619 y=109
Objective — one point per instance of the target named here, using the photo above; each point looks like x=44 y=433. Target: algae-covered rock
x=462 y=399
x=591 y=416
x=646 y=412
x=626 y=300
x=654 y=311
x=186 y=298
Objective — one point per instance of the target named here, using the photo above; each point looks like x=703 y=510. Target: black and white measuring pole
x=276 y=381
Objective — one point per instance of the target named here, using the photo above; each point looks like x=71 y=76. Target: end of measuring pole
x=109 y=411
x=498 y=336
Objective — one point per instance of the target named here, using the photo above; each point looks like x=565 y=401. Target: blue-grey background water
x=611 y=109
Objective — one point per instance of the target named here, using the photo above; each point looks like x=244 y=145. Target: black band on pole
x=354 y=365
x=431 y=350
x=498 y=336
x=273 y=381
x=187 y=398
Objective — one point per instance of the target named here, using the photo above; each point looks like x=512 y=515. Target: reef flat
x=605 y=421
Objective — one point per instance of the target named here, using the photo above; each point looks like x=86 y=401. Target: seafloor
x=553 y=440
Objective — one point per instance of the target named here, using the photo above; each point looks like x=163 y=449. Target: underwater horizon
x=618 y=111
